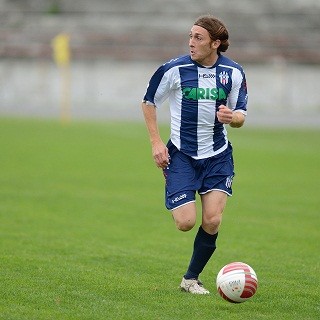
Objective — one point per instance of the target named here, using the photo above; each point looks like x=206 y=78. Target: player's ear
x=215 y=44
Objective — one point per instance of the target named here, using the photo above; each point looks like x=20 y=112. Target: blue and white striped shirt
x=195 y=92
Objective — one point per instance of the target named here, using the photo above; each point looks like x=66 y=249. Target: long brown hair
x=217 y=30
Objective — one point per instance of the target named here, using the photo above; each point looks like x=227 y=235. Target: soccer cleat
x=193 y=286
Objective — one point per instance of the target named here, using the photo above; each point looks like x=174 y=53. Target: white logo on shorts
x=176 y=199
x=229 y=182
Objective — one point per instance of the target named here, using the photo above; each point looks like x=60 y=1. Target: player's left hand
x=224 y=114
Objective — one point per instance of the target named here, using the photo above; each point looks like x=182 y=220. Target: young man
x=206 y=91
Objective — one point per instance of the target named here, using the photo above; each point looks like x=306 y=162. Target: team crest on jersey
x=224 y=77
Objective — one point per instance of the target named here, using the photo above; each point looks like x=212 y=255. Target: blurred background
x=78 y=59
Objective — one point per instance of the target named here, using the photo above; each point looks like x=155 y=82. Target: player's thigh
x=180 y=176
x=213 y=204
x=185 y=216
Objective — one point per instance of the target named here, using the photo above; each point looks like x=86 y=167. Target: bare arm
x=233 y=118
x=159 y=150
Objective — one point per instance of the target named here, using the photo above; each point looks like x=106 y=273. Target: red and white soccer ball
x=237 y=282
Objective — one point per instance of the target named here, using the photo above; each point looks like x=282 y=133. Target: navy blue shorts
x=185 y=176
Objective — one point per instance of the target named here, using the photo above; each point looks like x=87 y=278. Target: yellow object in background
x=61 y=55
x=61 y=49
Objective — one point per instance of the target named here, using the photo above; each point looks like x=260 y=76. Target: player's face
x=202 y=49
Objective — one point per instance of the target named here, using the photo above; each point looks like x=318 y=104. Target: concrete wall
x=117 y=44
x=114 y=89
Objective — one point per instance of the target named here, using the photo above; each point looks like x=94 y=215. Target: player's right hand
x=160 y=154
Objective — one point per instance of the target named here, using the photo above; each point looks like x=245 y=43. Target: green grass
x=84 y=233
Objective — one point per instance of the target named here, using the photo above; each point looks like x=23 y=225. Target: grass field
x=84 y=233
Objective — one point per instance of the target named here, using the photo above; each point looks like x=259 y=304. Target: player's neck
x=209 y=61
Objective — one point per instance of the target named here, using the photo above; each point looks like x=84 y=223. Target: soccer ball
x=237 y=282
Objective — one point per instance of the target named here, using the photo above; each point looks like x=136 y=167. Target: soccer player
x=206 y=92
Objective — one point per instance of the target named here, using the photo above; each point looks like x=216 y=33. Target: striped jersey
x=195 y=92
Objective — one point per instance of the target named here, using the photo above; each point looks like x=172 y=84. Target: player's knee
x=185 y=217
x=185 y=225
x=212 y=223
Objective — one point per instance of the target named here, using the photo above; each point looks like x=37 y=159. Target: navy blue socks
x=203 y=248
